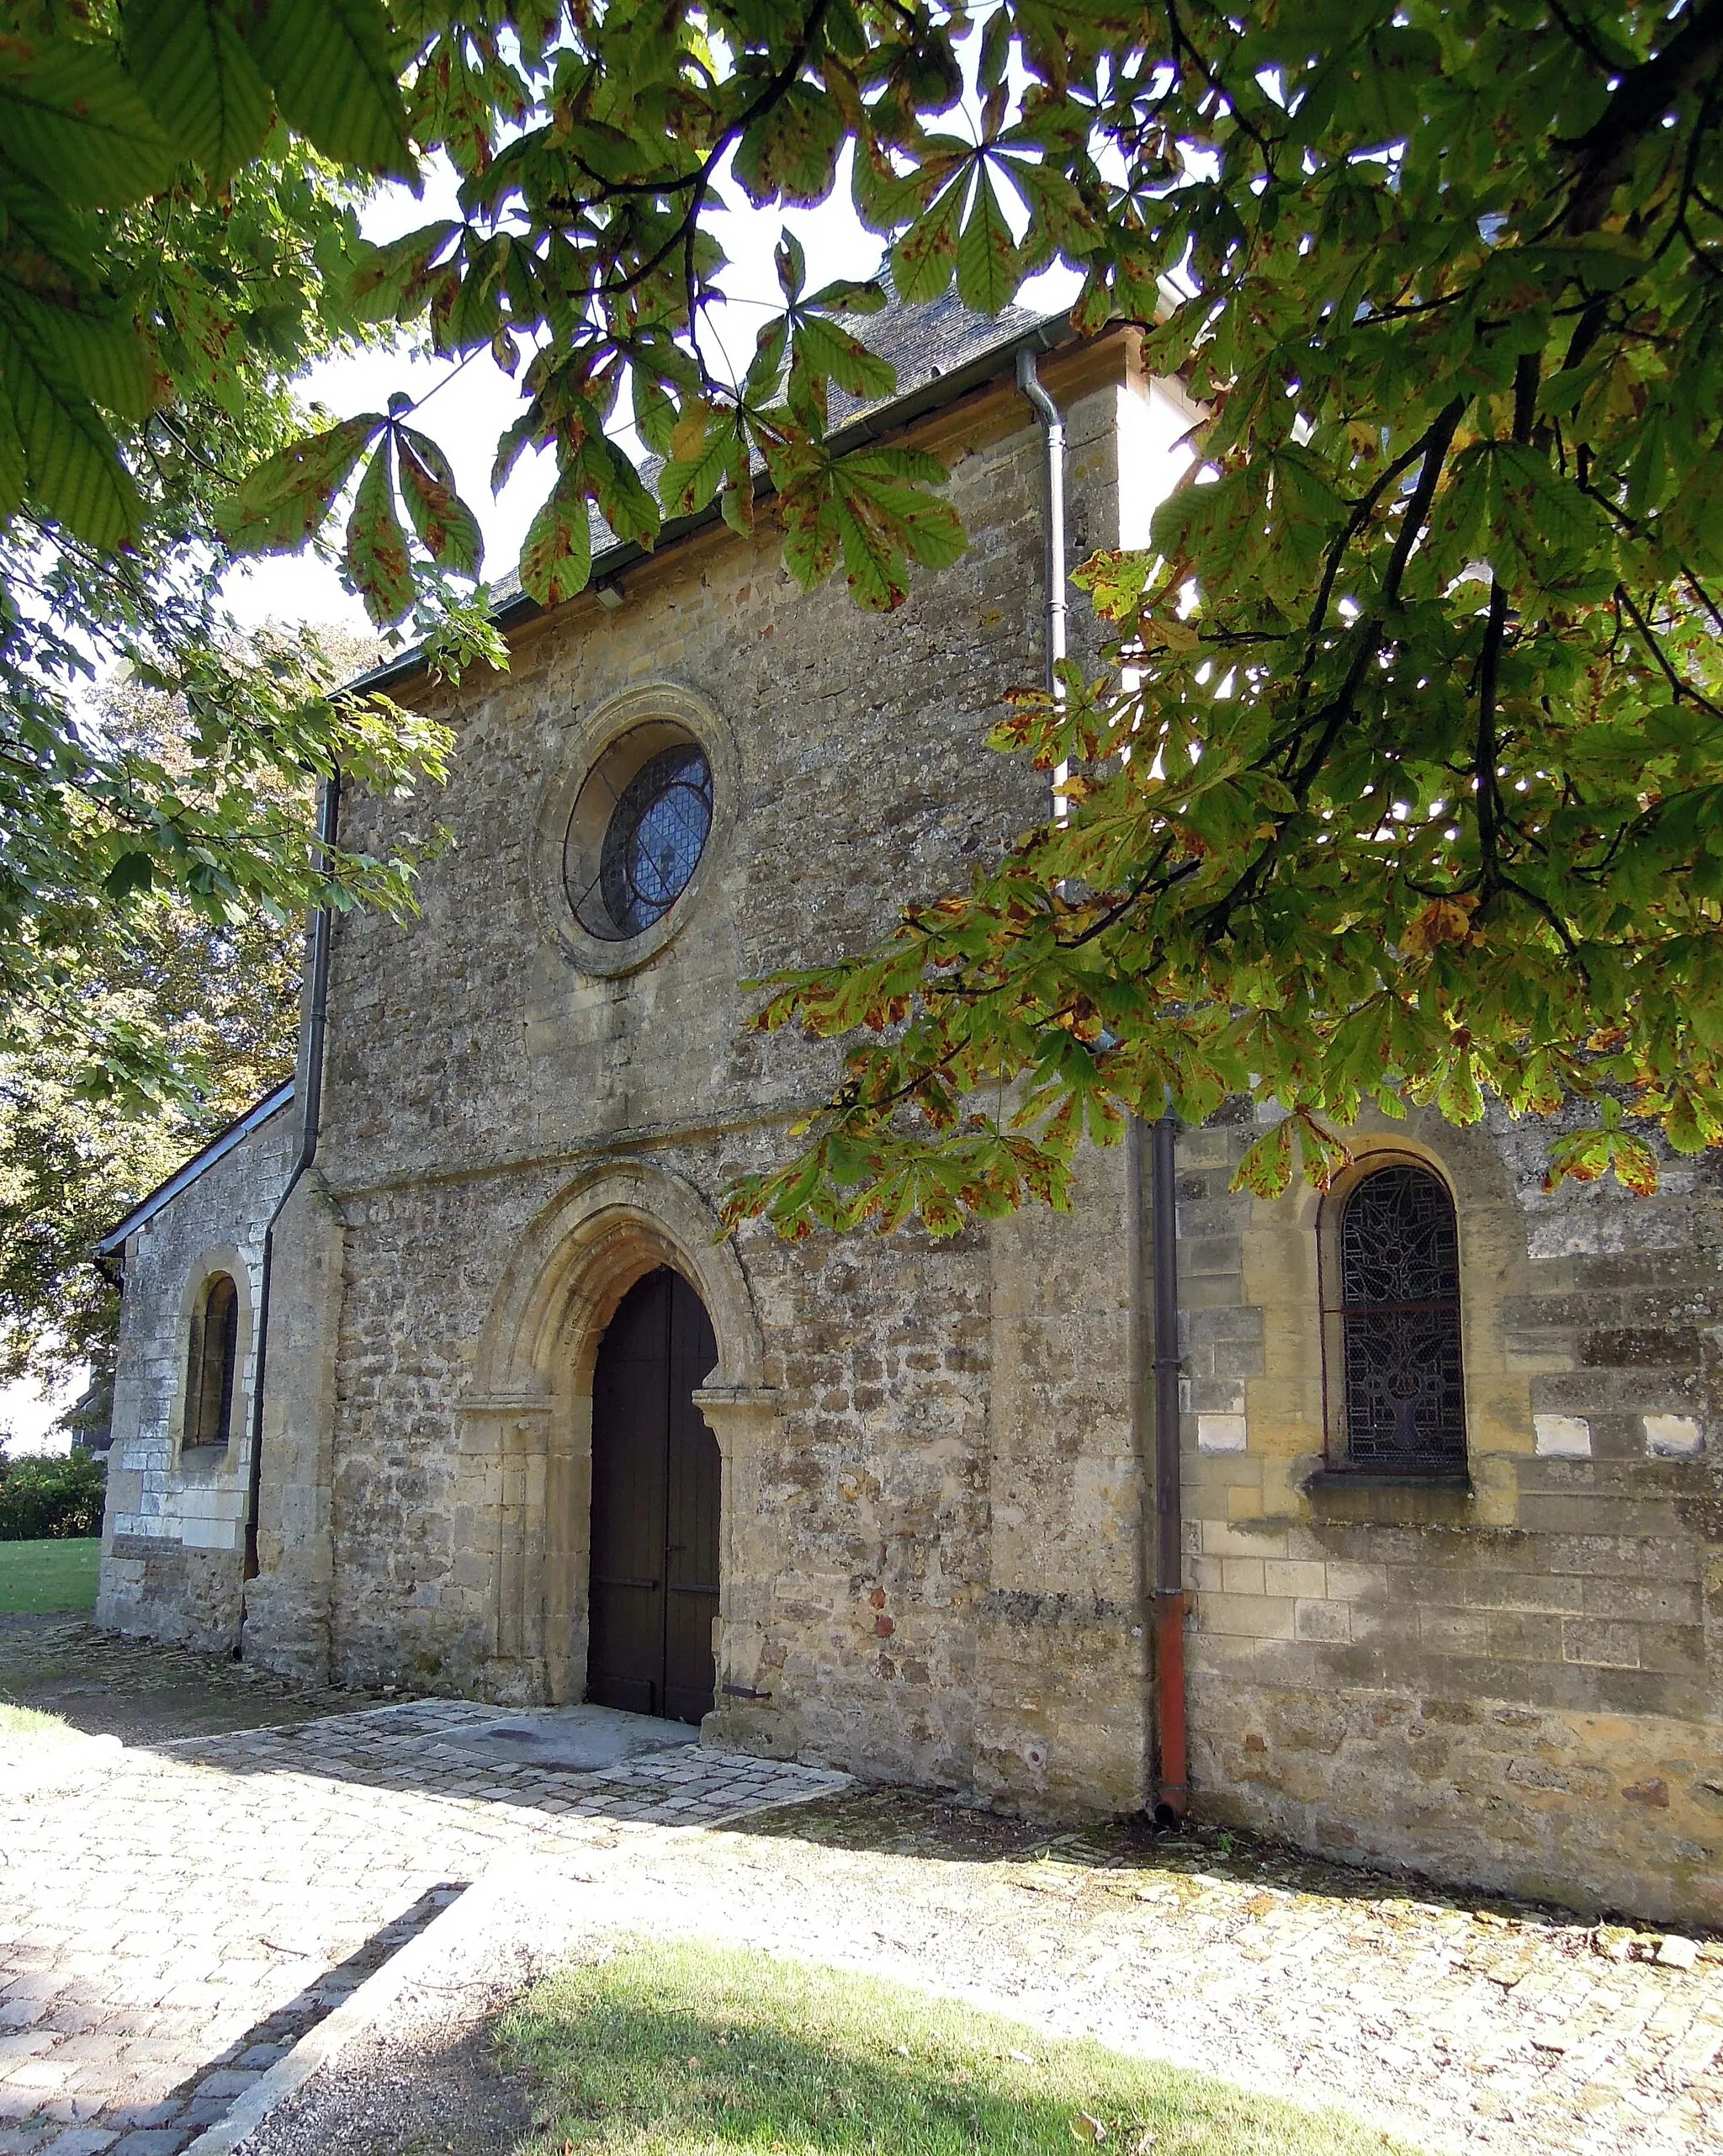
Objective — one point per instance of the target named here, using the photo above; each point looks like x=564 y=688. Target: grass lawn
x=690 y=2051
x=37 y=1577
x=28 y=1722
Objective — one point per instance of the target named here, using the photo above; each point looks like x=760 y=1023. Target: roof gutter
x=322 y=927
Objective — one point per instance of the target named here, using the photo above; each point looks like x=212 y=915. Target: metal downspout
x=1172 y=1791
x=1052 y=428
x=328 y=820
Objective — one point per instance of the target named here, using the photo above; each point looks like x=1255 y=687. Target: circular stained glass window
x=655 y=837
x=638 y=832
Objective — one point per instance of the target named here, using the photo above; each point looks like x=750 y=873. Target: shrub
x=51 y=1500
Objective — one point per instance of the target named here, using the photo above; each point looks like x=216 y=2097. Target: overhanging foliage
x=1421 y=791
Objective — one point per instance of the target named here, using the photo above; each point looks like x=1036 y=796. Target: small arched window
x=212 y=1358
x=1402 y=1408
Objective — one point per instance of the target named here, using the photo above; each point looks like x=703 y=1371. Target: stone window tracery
x=1401 y=1408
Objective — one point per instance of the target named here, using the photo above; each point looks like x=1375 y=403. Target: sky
x=25 y=1413
x=476 y=401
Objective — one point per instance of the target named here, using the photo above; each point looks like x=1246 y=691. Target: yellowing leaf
x=557 y=558
x=377 y=558
x=281 y=502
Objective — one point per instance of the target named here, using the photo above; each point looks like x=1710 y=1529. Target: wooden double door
x=655 y=1493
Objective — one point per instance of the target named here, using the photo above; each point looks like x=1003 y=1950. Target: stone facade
x=1521 y=1684
x=936 y=1457
x=173 y=1540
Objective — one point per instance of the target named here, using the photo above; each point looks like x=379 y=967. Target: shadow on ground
x=143 y=1693
x=204 y=2095
x=1111 y=1859
x=149 y=1694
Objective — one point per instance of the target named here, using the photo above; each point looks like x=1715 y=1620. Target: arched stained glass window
x=214 y=1357
x=1404 y=1386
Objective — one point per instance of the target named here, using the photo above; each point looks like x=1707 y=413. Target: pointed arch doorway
x=656 y=1484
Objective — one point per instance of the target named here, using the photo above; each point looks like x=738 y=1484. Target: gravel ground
x=1459 y=2023
x=234 y=1877
x=430 y=2085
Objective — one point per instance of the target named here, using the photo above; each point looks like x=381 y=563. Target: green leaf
x=12 y=459
x=74 y=467
x=99 y=356
x=827 y=349
x=330 y=66
x=790 y=153
x=392 y=282
x=132 y=872
x=884 y=198
x=924 y=259
x=377 y=558
x=988 y=268
x=198 y=80
x=447 y=526
x=557 y=558
x=655 y=412
x=70 y=117
x=689 y=481
x=791 y=261
x=623 y=499
x=288 y=496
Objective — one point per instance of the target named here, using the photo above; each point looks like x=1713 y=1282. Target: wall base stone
x=1593 y=1812
x=159 y=1587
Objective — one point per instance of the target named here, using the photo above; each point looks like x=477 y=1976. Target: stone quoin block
x=1674 y=1437
x=1562 y=1437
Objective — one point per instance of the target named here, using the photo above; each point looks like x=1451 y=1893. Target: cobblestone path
x=141 y=1691
x=171 y=1920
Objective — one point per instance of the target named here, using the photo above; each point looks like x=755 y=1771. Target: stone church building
x=436 y=1373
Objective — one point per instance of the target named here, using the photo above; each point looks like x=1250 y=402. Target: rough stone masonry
x=936 y=1465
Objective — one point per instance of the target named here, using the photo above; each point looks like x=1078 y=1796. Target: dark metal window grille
x=1399 y=1263
x=653 y=843
x=214 y=1359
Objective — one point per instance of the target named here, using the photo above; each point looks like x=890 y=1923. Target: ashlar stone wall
x=172 y=1540
x=1520 y=1686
